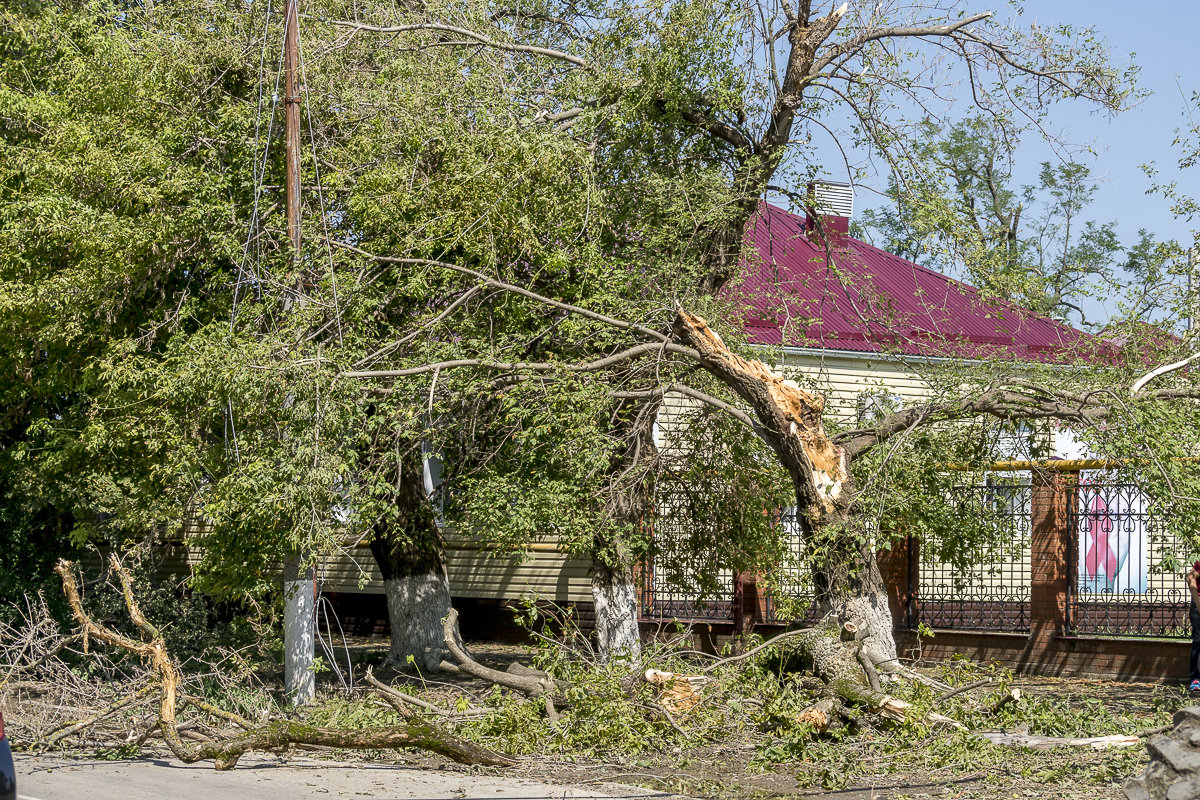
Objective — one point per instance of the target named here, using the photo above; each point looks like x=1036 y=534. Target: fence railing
x=677 y=585
x=1117 y=571
x=980 y=578
x=1122 y=557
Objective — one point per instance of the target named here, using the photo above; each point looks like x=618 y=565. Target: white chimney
x=830 y=207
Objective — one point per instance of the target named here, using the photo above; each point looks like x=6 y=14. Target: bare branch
x=388 y=348
x=916 y=31
x=270 y=736
x=695 y=394
x=528 y=366
x=514 y=289
x=532 y=685
x=1141 y=382
x=470 y=34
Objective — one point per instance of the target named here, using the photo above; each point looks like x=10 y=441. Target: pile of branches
x=101 y=687
x=46 y=694
x=159 y=685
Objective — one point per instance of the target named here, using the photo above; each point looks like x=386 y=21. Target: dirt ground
x=730 y=770
x=942 y=765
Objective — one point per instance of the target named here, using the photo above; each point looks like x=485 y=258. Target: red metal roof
x=864 y=299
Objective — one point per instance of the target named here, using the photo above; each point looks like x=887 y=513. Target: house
x=865 y=329
x=858 y=322
x=862 y=320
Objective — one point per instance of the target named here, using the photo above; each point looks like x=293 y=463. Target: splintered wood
x=678 y=694
x=788 y=411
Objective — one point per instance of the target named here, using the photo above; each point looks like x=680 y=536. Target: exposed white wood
x=1141 y=382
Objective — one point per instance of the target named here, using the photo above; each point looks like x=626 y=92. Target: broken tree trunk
x=271 y=736
x=846 y=576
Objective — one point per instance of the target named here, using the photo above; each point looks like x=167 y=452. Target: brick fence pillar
x=1049 y=559
x=898 y=568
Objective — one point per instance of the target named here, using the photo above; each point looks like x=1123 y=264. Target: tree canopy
x=510 y=216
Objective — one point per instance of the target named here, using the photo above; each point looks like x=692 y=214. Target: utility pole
x=299 y=587
x=291 y=105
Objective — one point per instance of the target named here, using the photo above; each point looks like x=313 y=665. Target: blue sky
x=1159 y=37
x=1162 y=37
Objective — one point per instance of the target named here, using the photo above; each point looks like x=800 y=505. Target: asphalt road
x=46 y=778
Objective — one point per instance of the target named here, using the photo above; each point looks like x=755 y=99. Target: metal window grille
x=981 y=580
x=1127 y=568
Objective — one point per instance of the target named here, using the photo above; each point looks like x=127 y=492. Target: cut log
x=1047 y=742
x=820 y=715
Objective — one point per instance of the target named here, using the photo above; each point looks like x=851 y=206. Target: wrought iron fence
x=678 y=583
x=789 y=594
x=979 y=578
x=1126 y=567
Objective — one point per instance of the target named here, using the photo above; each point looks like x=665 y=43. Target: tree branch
x=695 y=394
x=998 y=400
x=530 y=366
x=723 y=131
x=508 y=287
x=915 y=31
x=388 y=348
x=272 y=735
x=1158 y=372
x=470 y=34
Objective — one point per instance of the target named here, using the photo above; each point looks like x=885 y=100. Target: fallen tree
x=272 y=735
x=808 y=685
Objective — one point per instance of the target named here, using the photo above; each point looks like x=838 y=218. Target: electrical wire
x=253 y=235
x=312 y=143
x=324 y=608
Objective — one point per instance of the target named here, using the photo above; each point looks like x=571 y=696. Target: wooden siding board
x=547 y=574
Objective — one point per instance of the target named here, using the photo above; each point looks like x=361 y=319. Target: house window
x=877 y=404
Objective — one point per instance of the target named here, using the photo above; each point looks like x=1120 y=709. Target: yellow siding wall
x=843 y=378
x=547 y=573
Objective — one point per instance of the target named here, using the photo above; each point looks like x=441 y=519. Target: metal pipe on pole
x=299 y=584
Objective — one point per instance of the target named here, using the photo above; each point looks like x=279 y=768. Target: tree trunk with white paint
x=614 y=592
x=850 y=588
x=410 y=556
x=298 y=634
x=416 y=605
